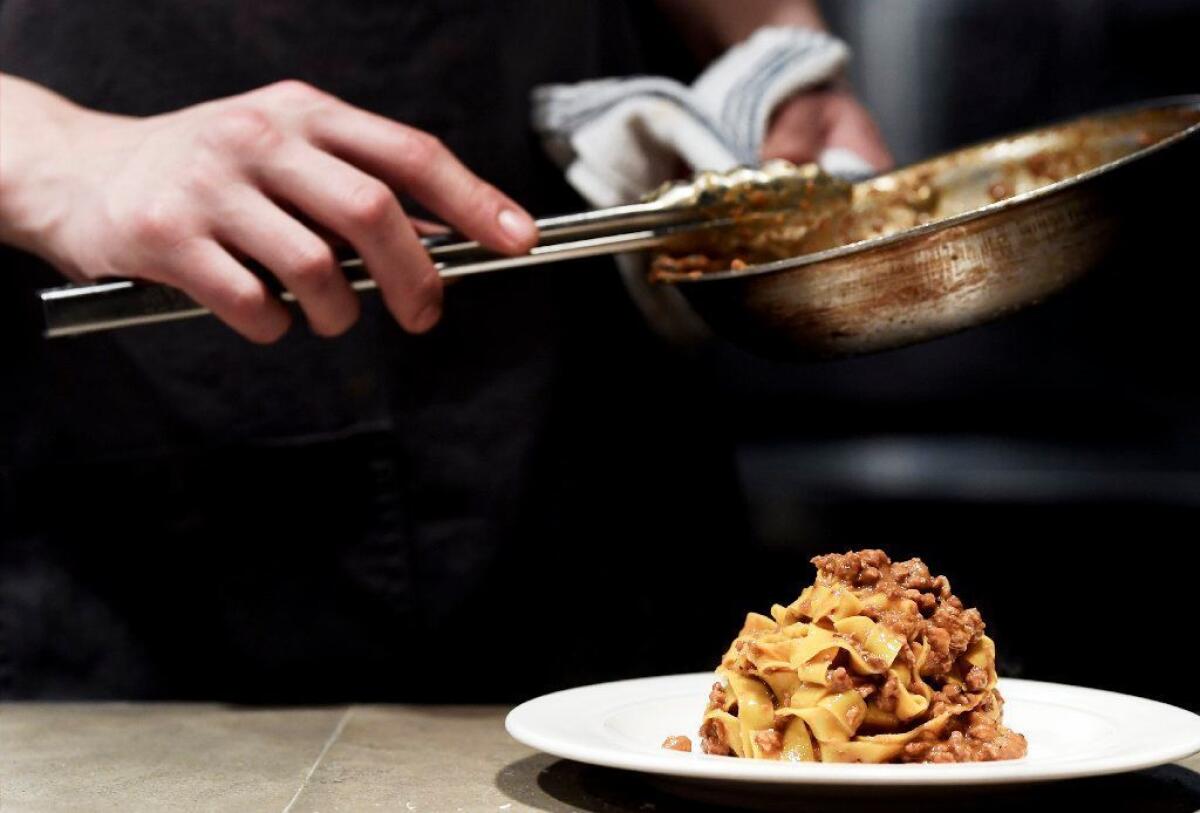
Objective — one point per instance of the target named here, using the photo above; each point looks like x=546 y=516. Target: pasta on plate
x=877 y=661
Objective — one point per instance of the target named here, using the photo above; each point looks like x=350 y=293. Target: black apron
x=535 y=494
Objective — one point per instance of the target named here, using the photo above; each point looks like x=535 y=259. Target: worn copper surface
x=960 y=239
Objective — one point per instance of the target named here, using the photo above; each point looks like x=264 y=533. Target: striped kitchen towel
x=619 y=138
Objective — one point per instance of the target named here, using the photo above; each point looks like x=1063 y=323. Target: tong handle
x=708 y=200
x=74 y=310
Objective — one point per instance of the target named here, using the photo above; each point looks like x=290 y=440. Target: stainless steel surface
x=99 y=757
x=73 y=310
x=700 y=206
x=975 y=258
x=187 y=757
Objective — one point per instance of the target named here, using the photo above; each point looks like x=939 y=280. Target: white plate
x=1072 y=732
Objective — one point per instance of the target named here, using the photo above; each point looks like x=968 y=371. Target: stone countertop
x=133 y=757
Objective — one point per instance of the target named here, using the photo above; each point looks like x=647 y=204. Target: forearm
x=712 y=26
x=37 y=129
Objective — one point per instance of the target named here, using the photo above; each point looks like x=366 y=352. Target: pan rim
x=1015 y=202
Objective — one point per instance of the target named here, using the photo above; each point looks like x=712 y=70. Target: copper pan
x=963 y=238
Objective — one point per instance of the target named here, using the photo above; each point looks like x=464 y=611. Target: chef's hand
x=809 y=123
x=182 y=198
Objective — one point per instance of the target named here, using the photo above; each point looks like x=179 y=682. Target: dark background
x=1049 y=463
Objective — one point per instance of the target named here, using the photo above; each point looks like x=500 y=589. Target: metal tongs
x=697 y=215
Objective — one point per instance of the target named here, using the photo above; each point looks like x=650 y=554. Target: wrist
x=738 y=29
x=792 y=15
x=711 y=27
x=39 y=138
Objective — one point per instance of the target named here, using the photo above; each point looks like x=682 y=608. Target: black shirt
x=536 y=493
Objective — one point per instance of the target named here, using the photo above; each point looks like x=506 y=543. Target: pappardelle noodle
x=875 y=662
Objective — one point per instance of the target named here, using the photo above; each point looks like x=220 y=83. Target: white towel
x=617 y=139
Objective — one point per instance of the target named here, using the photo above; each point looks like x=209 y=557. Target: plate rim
x=667 y=764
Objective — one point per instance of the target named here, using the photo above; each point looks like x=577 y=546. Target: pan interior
x=962 y=182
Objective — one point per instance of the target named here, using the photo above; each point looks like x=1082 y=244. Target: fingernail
x=427 y=318
x=517 y=226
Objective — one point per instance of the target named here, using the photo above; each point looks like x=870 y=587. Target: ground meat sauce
x=712 y=740
x=975 y=737
x=677 y=744
x=922 y=608
x=950 y=629
x=937 y=190
x=947 y=626
x=839 y=680
x=769 y=741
